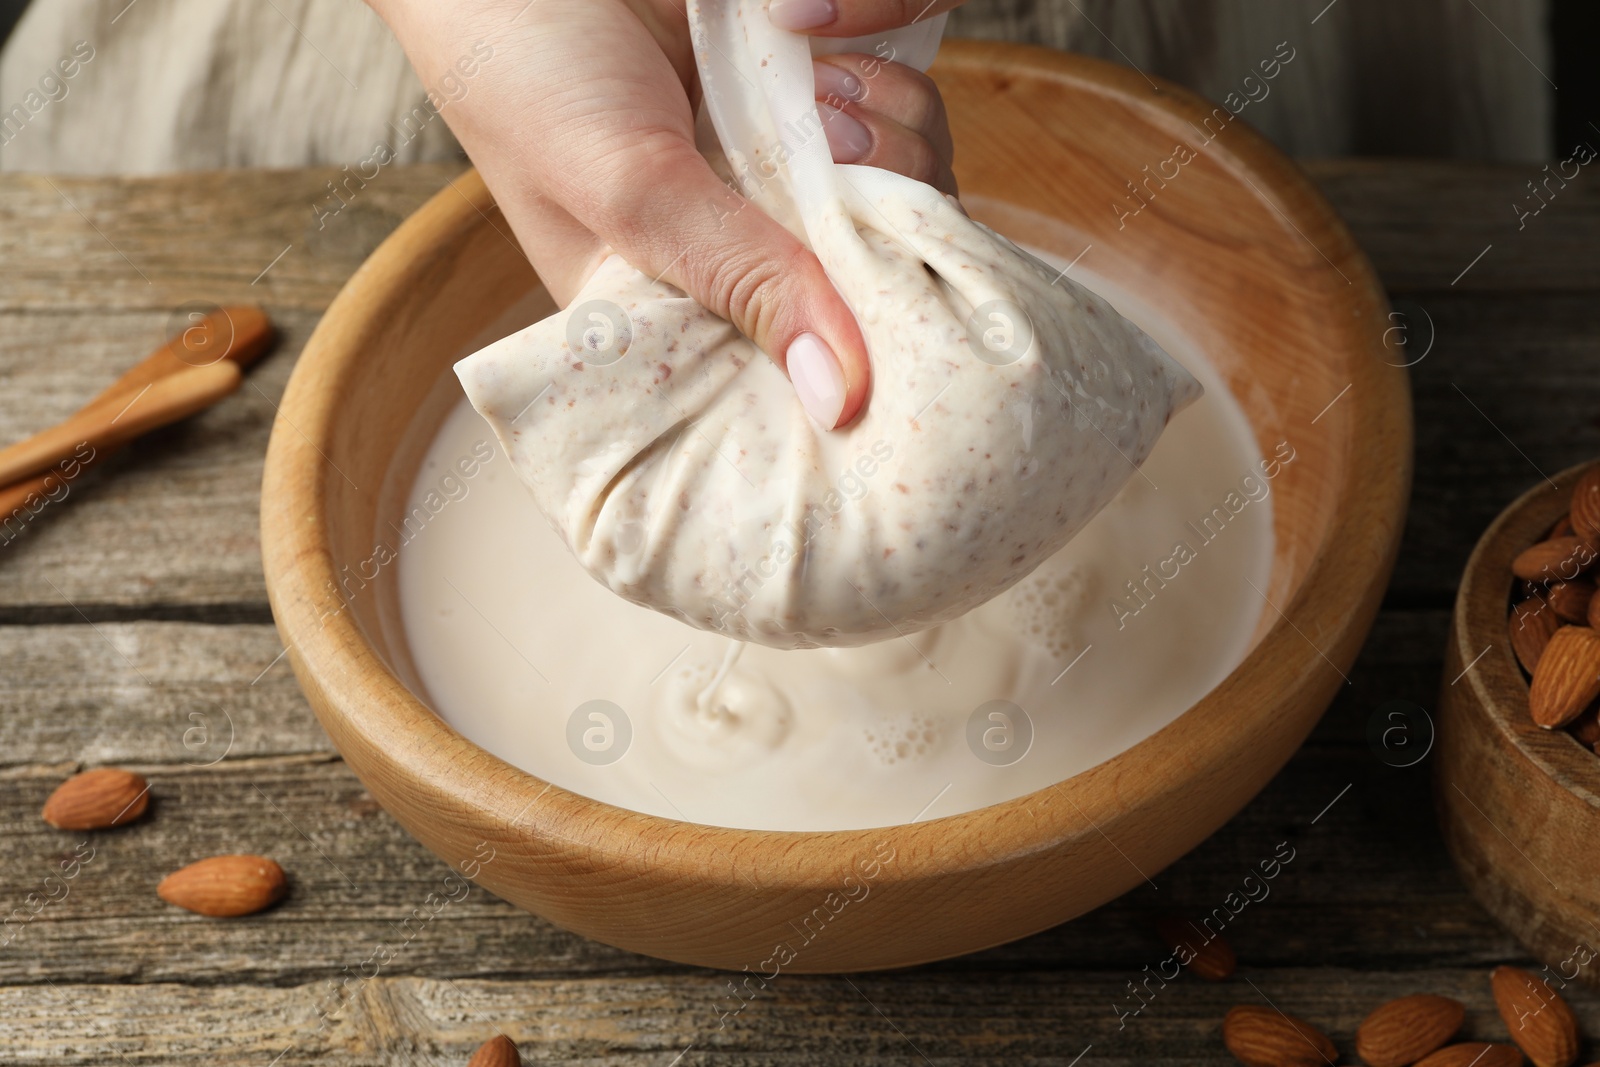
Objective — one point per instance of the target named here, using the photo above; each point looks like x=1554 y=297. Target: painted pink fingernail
x=802 y=14
x=848 y=140
x=835 y=84
x=818 y=379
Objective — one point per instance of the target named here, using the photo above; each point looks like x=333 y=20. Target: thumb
x=668 y=214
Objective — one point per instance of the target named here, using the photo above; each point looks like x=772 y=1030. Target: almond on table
x=1540 y=1021
x=1210 y=957
x=1473 y=1054
x=1265 y=1037
x=225 y=887
x=498 y=1051
x=97 y=800
x=1403 y=1031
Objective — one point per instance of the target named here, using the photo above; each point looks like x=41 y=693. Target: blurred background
x=164 y=85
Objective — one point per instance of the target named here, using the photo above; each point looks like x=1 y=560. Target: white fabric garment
x=1008 y=405
x=156 y=86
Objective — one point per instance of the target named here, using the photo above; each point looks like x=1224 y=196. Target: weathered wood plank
x=1509 y=393
x=356 y=880
x=189 y=694
x=1370 y=879
x=207 y=236
x=120 y=244
x=173 y=518
x=1424 y=224
x=908 y=1018
x=173 y=521
x=150 y=693
x=1368 y=909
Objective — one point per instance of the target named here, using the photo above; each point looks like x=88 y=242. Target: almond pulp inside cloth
x=1008 y=404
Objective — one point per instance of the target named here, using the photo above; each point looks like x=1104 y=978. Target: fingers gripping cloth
x=1008 y=405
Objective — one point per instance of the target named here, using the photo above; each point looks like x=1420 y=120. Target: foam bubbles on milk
x=820 y=739
x=1044 y=608
x=902 y=738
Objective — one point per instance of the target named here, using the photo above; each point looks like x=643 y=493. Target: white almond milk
x=524 y=653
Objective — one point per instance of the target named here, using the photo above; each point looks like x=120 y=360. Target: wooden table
x=134 y=630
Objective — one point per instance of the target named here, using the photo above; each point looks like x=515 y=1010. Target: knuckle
x=750 y=290
x=627 y=178
x=915 y=158
x=907 y=96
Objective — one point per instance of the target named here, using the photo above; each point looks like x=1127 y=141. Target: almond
x=1403 y=1031
x=496 y=1052
x=225 y=886
x=1266 y=1037
x=97 y=799
x=1562 y=528
x=1474 y=1054
x=1532 y=624
x=1568 y=677
x=1586 y=506
x=1570 y=600
x=1205 y=954
x=1586 y=727
x=1556 y=560
x=1593 y=617
x=1541 y=1023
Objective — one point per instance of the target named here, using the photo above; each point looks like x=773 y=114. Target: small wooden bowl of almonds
x=1518 y=777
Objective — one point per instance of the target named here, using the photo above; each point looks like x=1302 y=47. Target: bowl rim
x=1483 y=640
x=368 y=705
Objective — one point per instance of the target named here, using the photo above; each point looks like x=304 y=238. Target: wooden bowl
x=1253 y=266
x=1520 y=805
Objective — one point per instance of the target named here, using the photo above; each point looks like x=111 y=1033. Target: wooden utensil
x=166 y=400
x=238 y=334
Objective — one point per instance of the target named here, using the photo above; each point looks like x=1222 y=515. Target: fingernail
x=802 y=14
x=836 y=84
x=818 y=379
x=848 y=140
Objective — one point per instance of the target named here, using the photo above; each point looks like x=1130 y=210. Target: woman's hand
x=582 y=123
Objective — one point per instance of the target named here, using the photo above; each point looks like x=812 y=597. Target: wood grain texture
x=1370 y=909
x=317 y=820
x=730 y=898
x=129 y=244
x=909 y=1019
x=106 y=714
x=149 y=693
x=1421 y=223
x=1520 y=805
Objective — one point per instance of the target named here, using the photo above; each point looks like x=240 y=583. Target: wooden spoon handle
x=34 y=492
x=101 y=425
x=238 y=334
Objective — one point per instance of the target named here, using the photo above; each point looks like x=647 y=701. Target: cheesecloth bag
x=1008 y=404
